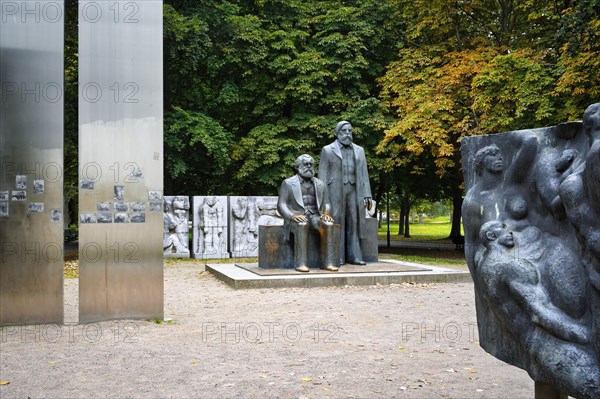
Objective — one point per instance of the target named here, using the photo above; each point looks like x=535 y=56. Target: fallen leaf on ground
x=306 y=379
x=4 y=382
x=452 y=371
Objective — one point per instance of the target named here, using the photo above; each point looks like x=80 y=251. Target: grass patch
x=422 y=259
x=161 y=321
x=71 y=269
x=430 y=230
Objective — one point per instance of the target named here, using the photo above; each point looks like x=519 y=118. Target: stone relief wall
x=210 y=227
x=176 y=229
x=247 y=213
x=531 y=217
x=222 y=226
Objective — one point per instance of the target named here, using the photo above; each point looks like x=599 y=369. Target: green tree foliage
x=71 y=128
x=194 y=139
x=483 y=66
x=579 y=59
x=250 y=85
x=278 y=75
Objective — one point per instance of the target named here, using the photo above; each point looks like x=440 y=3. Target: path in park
x=401 y=341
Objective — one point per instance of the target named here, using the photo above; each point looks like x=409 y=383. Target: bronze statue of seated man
x=304 y=205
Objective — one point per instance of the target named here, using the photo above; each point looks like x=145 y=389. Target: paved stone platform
x=245 y=276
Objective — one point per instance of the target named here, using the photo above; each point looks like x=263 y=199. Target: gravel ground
x=400 y=341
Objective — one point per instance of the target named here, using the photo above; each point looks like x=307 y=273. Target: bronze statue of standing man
x=343 y=167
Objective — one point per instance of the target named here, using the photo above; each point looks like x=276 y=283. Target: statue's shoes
x=358 y=262
x=331 y=268
x=302 y=269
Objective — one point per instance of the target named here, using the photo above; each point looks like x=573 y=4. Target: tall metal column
x=31 y=161
x=120 y=160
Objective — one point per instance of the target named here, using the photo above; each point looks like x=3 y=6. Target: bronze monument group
x=339 y=199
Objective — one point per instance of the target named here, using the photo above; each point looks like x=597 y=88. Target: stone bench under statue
x=531 y=217
x=275 y=252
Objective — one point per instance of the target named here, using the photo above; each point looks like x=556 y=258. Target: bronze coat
x=290 y=200
x=330 y=171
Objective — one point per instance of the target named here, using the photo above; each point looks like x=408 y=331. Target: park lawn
x=431 y=230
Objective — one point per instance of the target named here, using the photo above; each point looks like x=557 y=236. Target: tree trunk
x=66 y=213
x=457 y=201
x=406 y=203
x=402 y=216
x=381 y=187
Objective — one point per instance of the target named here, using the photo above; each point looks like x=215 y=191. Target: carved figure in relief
x=487 y=199
x=211 y=226
x=514 y=284
x=580 y=193
x=532 y=235
x=242 y=215
x=175 y=220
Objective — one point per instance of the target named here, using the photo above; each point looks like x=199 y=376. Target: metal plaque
x=31 y=161
x=120 y=160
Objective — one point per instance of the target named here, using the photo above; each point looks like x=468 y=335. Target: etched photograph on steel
x=55 y=216
x=155 y=195
x=138 y=218
x=35 y=207
x=121 y=217
x=87 y=218
x=38 y=186
x=3 y=208
x=21 y=182
x=86 y=184
x=104 y=217
x=119 y=192
x=20 y=195
x=138 y=206
x=156 y=206
x=104 y=206
x=121 y=206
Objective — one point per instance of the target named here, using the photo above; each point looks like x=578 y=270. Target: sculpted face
x=505 y=237
x=344 y=135
x=591 y=121
x=494 y=162
x=305 y=167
